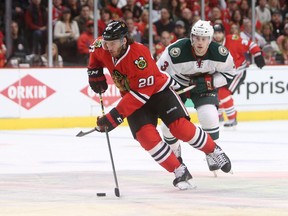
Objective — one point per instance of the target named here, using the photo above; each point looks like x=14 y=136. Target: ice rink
x=55 y=173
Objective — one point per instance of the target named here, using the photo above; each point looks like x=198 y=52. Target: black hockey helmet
x=115 y=30
x=219 y=28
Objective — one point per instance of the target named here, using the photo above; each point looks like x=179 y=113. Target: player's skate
x=221 y=159
x=221 y=119
x=231 y=123
x=183 y=178
x=212 y=164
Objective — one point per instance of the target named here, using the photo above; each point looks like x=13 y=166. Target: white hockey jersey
x=183 y=65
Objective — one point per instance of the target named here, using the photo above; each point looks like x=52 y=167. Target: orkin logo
x=110 y=96
x=27 y=92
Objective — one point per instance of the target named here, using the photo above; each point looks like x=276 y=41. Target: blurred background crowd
x=73 y=26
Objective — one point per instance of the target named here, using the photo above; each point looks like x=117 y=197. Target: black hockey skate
x=182 y=178
x=231 y=123
x=221 y=160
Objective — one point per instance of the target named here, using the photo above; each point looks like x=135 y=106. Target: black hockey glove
x=259 y=60
x=110 y=121
x=97 y=80
x=203 y=84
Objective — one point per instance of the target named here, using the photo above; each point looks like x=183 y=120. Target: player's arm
x=256 y=51
x=96 y=77
x=225 y=72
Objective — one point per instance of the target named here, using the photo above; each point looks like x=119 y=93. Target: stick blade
x=117 y=192
x=80 y=134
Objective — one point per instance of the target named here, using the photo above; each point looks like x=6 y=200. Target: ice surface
x=53 y=172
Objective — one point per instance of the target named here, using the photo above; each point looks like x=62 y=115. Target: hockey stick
x=116 y=190
x=83 y=133
x=185 y=89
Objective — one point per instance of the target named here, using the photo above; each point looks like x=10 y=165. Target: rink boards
x=61 y=97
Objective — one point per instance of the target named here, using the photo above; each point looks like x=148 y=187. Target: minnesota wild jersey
x=180 y=61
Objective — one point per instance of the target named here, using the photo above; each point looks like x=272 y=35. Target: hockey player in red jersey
x=146 y=95
x=237 y=47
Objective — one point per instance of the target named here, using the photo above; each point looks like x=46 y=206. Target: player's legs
x=206 y=105
x=143 y=126
x=209 y=120
x=227 y=102
x=172 y=141
x=159 y=150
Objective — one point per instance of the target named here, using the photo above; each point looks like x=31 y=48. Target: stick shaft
x=117 y=193
x=185 y=89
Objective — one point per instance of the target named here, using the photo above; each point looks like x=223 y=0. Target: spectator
x=232 y=6
x=281 y=37
x=57 y=10
x=74 y=6
x=267 y=33
x=57 y=60
x=246 y=33
x=135 y=8
x=285 y=16
x=244 y=8
x=127 y=13
x=105 y=18
x=234 y=29
x=269 y=55
x=2 y=51
x=165 y=40
x=36 y=23
x=215 y=14
x=187 y=18
x=83 y=18
x=277 y=23
x=164 y=24
x=143 y=26
x=115 y=11
x=19 y=46
x=284 y=51
x=66 y=34
x=237 y=19
x=262 y=11
x=258 y=24
x=174 y=8
x=84 y=41
x=274 y=5
x=156 y=10
x=179 y=30
x=133 y=30
x=18 y=12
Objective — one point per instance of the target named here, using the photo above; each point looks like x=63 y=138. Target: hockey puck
x=101 y=194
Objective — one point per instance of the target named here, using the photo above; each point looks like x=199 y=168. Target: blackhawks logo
x=141 y=63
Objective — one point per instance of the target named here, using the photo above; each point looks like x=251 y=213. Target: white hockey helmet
x=202 y=28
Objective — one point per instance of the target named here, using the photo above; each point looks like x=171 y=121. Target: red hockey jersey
x=136 y=68
x=238 y=47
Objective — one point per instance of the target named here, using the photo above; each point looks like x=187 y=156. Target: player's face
x=114 y=47
x=200 y=44
x=218 y=37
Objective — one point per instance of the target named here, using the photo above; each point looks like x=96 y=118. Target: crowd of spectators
x=73 y=26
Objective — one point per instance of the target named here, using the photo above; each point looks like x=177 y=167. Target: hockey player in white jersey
x=201 y=62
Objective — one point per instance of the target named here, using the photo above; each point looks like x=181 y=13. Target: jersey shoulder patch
x=180 y=51
x=95 y=45
x=217 y=52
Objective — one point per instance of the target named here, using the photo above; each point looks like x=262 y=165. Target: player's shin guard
x=209 y=121
x=172 y=141
x=195 y=136
x=159 y=150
